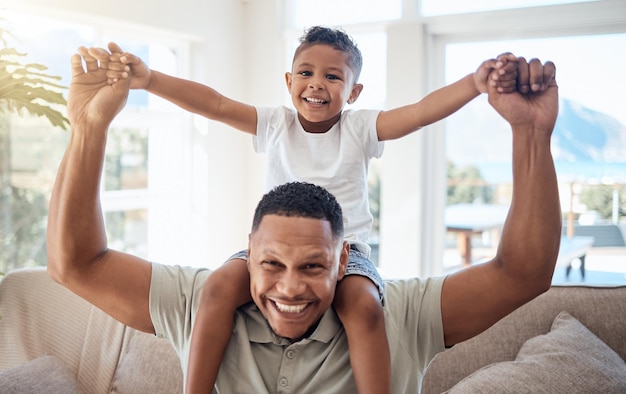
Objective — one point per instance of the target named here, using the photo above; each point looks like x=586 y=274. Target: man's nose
x=291 y=284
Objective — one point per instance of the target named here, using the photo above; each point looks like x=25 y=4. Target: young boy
x=321 y=143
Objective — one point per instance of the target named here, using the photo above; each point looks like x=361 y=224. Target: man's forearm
x=530 y=238
x=76 y=234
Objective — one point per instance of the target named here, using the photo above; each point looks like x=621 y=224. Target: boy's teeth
x=315 y=101
x=290 y=308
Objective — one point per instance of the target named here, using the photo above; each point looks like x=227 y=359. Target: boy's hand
x=122 y=65
x=500 y=73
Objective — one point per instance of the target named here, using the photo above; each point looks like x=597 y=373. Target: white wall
x=413 y=190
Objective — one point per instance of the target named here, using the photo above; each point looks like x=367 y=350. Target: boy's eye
x=332 y=77
x=305 y=73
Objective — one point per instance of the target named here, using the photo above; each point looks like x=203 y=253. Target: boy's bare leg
x=359 y=308
x=225 y=290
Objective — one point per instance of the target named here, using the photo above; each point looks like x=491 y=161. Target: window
x=588 y=142
x=346 y=12
x=446 y=7
x=144 y=158
x=452 y=33
x=582 y=98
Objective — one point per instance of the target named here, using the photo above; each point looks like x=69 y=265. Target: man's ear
x=343 y=260
x=288 y=80
x=355 y=93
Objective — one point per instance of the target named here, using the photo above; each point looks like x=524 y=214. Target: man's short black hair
x=301 y=199
x=336 y=38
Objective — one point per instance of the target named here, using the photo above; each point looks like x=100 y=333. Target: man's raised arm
x=78 y=256
x=477 y=297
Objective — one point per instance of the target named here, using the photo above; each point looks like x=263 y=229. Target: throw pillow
x=569 y=359
x=42 y=375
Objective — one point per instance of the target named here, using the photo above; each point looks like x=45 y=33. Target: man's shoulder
x=177 y=279
x=412 y=289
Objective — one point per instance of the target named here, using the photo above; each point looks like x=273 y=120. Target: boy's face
x=294 y=266
x=320 y=84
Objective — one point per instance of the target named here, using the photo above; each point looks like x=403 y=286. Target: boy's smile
x=320 y=84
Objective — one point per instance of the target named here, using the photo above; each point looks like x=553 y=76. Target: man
x=289 y=339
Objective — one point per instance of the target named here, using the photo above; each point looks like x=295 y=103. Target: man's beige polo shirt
x=257 y=361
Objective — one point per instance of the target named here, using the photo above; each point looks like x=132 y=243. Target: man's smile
x=285 y=308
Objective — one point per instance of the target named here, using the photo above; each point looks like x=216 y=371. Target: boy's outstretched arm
x=443 y=102
x=191 y=96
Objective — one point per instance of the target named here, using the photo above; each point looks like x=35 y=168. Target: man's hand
x=91 y=100
x=535 y=104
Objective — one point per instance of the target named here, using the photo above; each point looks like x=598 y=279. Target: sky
x=589 y=68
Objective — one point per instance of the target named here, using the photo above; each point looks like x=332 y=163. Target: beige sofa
x=53 y=341
x=88 y=351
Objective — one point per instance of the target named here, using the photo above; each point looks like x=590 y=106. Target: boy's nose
x=316 y=83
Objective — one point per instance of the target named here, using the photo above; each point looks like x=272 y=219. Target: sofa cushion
x=147 y=365
x=569 y=358
x=42 y=375
x=600 y=309
x=39 y=317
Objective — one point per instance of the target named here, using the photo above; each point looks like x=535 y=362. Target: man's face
x=294 y=265
x=320 y=84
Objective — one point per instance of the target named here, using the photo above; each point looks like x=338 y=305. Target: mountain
x=477 y=134
x=582 y=134
x=585 y=143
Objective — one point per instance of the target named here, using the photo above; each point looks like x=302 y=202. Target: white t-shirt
x=337 y=160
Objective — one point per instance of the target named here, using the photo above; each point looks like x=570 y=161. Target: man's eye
x=271 y=265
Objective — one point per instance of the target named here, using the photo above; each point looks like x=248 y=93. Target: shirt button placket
x=285 y=380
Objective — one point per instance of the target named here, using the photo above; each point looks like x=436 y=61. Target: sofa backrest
x=39 y=317
x=601 y=309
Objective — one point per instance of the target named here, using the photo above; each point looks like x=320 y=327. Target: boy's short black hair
x=301 y=199
x=336 y=38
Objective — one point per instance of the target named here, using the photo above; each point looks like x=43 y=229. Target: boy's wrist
x=476 y=84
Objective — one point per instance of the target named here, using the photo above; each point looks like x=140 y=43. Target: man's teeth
x=290 y=308
x=315 y=100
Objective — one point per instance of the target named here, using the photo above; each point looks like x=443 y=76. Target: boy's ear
x=288 y=80
x=354 y=94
